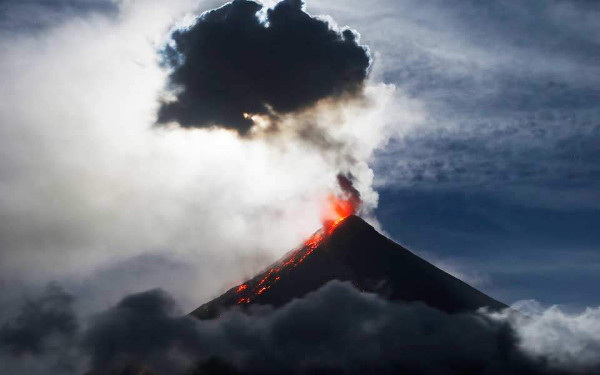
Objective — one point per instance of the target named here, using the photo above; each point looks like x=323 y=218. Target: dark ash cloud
x=350 y=192
x=230 y=63
x=50 y=316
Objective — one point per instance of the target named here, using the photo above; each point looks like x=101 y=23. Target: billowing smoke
x=277 y=75
x=106 y=188
x=335 y=330
x=242 y=60
x=350 y=193
x=345 y=202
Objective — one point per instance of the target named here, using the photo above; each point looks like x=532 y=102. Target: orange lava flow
x=334 y=225
x=338 y=210
x=273 y=275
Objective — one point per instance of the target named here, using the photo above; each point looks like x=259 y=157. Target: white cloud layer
x=567 y=340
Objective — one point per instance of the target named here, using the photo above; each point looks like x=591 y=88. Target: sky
x=132 y=159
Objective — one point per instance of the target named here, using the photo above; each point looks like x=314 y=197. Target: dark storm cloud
x=336 y=330
x=230 y=62
x=37 y=15
x=49 y=316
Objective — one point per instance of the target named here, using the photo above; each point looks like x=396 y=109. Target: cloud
x=510 y=93
x=86 y=177
x=547 y=158
x=17 y=16
x=50 y=316
x=242 y=59
x=368 y=335
x=143 y=327
x=567 y=340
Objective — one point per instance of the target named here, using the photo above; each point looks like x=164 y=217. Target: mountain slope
x=353 y=251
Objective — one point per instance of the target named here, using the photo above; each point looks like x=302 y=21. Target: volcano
x=350 y=249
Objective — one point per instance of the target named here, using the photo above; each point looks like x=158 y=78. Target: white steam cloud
x=87 y=182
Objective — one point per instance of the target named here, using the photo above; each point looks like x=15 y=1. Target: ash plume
x=351 y=194
x=242 y=59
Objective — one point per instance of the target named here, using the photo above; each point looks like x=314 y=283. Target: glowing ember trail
x=338 y=210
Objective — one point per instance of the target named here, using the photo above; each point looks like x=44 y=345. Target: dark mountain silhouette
x=353 y=251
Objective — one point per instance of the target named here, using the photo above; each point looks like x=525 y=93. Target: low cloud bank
x=336 y=329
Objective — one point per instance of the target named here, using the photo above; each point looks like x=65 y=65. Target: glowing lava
x=273 y=275
x=341 y=207
x=336 y=211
